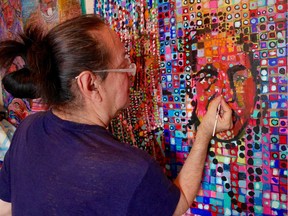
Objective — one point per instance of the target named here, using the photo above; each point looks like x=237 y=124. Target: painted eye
x=240 y=78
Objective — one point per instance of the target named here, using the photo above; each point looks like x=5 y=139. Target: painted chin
x=239 y=124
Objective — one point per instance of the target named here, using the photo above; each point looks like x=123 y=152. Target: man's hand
x=224 y=118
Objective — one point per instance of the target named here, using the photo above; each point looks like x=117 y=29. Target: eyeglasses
x=131 y=69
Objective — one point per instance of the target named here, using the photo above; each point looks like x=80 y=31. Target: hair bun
x=20 y=84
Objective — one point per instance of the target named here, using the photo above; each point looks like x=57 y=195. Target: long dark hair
x=53 y=60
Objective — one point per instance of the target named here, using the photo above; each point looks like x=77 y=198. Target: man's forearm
x=190 y=176
x=5 y=208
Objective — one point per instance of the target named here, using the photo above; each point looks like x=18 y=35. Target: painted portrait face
x=8 y=13
x=48 y=7
x=18 y=110
x=223 y=68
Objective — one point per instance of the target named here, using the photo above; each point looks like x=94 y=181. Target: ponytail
x=9 y=50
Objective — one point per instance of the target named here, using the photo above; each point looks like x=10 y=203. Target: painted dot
x=274 y=122
x=199 y=22
x=280 y=7
x=275 y=155
x=237 y=24
x=230 y=193
x=220 y=169
x=262 y=20
x=258 y=171
x=237 y=15
x=263 y=36
x=251 y=209
x=234 y=201
x=272 y=44
x=250 y=153
x=238 y=209
x=243 y=205
x=227 y=185
x=250 y=170
x=264 y=72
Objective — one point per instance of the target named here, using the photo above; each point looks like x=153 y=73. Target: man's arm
x=189 y=178
x=5 y=208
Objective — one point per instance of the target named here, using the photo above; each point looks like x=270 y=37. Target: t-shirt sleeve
x=155 y=195
x=5 y=194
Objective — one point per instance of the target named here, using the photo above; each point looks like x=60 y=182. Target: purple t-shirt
x=57 y=167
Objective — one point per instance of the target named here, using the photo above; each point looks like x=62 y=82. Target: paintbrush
x=216 y=119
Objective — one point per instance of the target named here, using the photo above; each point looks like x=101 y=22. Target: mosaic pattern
x=137 y=25
x=233 y=48
x=207 y=48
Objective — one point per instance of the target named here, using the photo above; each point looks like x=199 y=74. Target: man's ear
x=88 y=84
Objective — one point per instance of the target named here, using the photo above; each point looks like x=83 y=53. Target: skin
x=5 y=208
x=102 y=100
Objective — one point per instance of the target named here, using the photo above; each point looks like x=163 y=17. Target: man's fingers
x=215 y=102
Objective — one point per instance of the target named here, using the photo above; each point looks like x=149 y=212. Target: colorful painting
x=10 y=18
x=196 y=51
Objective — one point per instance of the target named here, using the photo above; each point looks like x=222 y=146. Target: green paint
x=258 y=185
x=241 y=198
x=258 y=209
x=212 y=187
x=273 y=114
x=83 y=6
x=265 y=139
x=258 y=162
x=275 y=204
x=227 y=201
